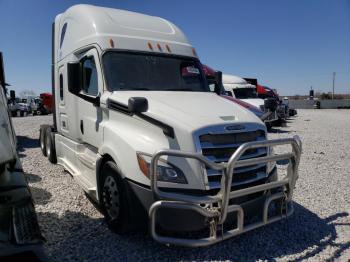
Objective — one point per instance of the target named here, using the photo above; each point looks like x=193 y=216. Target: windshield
x=244 y=93
x=132 y=71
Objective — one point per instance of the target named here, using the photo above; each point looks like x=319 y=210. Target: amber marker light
x=143 y=165
x=111 y=43
x=194 y=52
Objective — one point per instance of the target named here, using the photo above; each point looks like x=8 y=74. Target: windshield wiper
x=134 y=88
x=178 y=89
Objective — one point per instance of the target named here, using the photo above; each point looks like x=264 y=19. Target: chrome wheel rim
x=111 y=197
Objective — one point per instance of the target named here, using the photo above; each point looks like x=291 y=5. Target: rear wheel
x=42 y=138
x=50 y=146
x=114 y=199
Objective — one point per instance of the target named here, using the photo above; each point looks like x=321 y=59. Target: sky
x=289 y=45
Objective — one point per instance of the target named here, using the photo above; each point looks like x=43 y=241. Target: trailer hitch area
x=215 y=208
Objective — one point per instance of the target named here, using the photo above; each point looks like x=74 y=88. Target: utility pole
x=333 y=85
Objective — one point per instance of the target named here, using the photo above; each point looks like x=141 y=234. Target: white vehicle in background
x=137 y=127
x=19 y=230
x=17 y=107
x=24 y=107
x=239 y=88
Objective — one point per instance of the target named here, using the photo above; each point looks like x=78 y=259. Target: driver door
x=90 y=115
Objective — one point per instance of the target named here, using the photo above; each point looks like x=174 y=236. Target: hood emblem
x=234 y=127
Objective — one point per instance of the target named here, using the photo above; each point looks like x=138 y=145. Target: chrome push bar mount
x=219 y=203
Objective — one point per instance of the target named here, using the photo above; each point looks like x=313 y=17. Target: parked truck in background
x=17 y=106
x=47 y=102
x=20 y=237
x=239 y=88
x=137 y=127
x=213 y=83
x=29 y=105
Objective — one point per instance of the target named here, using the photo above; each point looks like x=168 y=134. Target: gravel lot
x=318 y=230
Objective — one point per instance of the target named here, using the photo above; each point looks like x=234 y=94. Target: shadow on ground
x=24 y=142
x=75 y=236
x=33 y=178
x=278 y=131
x=40 y=196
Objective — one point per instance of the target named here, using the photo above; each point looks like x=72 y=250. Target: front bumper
x=19 y=231
x=216 y=210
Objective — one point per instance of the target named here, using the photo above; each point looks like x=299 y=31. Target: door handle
x=82 y=127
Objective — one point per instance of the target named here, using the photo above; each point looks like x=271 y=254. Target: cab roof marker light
x=194 y=52
x=111 y=43
x=150 y=46
x=159 y=47
x=168 y=48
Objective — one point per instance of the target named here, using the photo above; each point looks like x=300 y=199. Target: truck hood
x=257 y=102
x=190 y=110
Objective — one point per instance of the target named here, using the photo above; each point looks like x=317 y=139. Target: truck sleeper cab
x=133 y=127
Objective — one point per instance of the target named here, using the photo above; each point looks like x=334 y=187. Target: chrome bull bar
x=218 y=214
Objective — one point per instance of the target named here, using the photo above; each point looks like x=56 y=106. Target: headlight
x=166 y=172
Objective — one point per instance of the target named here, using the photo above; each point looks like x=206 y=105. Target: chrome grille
x=218 y=145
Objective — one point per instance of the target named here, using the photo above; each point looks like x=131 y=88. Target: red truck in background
x=47 y=102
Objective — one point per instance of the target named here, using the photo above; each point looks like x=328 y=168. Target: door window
x=90 y=80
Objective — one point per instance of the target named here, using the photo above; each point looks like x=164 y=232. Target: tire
x=114 y=201
x=21 y=113
x=50 y=146
x=42 y=138
x=38 y=112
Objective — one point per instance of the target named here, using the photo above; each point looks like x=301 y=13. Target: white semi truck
x=20 y=237
x=239 y=88
x=136 y=125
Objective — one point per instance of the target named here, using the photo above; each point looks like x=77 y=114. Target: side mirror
x=13 y=95
x=2 y=73
x=137 y=104
x=218 y=77
x=74 y=72
x=271 y=104
x=218 y=80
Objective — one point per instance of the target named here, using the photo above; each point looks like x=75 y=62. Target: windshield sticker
x=190 y=70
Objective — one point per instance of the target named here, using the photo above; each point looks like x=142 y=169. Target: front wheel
x=114 y=200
